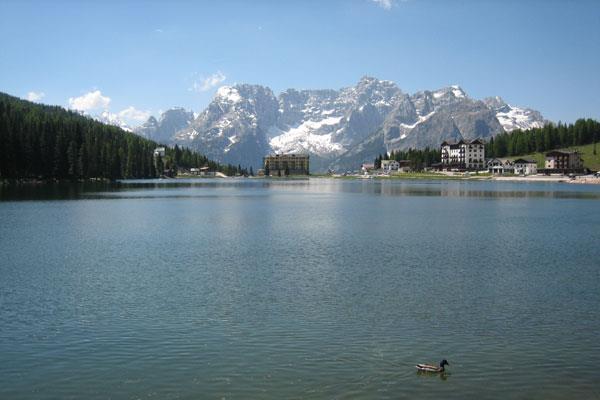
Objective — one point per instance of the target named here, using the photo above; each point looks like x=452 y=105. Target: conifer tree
x=159 y=165
x=72 y=159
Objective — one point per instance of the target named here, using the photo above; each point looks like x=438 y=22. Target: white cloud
x=97 y=105
x=207 y=83
x=385 y=4
x=35 y=96
x=89 y=101
x=133 y=114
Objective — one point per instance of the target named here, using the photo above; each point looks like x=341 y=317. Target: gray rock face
x=341 y=128
x=512 y=117
x=234 y=127
x=170 y=122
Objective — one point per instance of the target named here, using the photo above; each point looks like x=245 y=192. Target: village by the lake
x=464 y=159
x=313 y=200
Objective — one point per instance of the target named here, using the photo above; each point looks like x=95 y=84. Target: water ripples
x=301 y=290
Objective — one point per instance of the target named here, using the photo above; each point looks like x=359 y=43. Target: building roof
x=561 y=153
x=524 y=161
x=289 y=155
x=503 y=161
x=474 y=141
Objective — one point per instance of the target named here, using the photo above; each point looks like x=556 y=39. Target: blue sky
x=137 y=58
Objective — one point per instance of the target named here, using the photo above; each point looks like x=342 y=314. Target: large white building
x=463 y=155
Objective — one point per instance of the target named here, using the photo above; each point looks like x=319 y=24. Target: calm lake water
x=257 y=289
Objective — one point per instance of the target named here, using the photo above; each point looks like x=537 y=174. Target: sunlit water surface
x=299 y=289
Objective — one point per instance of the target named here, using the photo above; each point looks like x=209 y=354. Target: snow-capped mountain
x=169 y=123
x=512 y=117
x=327 y=122
x=234 y=127
x=342 y=128
x=108 y=118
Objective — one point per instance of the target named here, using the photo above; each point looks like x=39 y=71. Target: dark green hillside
x=550 y=137
x=48 y=142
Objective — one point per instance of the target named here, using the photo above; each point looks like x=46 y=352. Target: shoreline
x=580 y=179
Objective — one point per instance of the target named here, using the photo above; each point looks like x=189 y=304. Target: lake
x=316 y=289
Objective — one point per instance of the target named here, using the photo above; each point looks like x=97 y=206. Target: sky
x=138 y=58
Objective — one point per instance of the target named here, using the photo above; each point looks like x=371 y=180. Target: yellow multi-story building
x=286 y=164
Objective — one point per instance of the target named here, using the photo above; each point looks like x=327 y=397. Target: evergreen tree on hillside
x=160 y=168
x=549 y=137
x=40 y=141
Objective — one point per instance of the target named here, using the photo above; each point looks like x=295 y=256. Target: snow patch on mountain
x=306 y=138
x=420 y=119
x=439 y=94
x=517 y=118
x=109 y=118
x=513 y=117
x=228 y=94
x=458 y=92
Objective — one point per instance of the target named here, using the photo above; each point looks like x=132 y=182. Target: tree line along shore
x=46 y=143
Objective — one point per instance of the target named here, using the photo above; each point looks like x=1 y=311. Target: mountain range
x=339 y=128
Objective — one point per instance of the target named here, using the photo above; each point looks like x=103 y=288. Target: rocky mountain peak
x=497 y=103
x=342 y=127
x=163 y=129
x=371 y=90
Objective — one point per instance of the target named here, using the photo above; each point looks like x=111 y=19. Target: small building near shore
x=499 y=166
x=286 y=164
x=169 y=173
x=525 y=167
x=159 y=151
x=367 y=167
x=390 y=166
x=206 y=171
x=566 y=161
x=202 y=171
x=405 y=166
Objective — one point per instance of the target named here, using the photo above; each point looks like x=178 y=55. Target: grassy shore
x=590 y=160
x=419 y=176
x=434 y=175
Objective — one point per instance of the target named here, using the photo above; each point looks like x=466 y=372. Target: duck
x=433 y=368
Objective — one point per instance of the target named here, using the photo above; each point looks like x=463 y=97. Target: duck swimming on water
x=433 y=368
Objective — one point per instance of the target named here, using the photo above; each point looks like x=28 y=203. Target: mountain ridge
x=244 y=122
